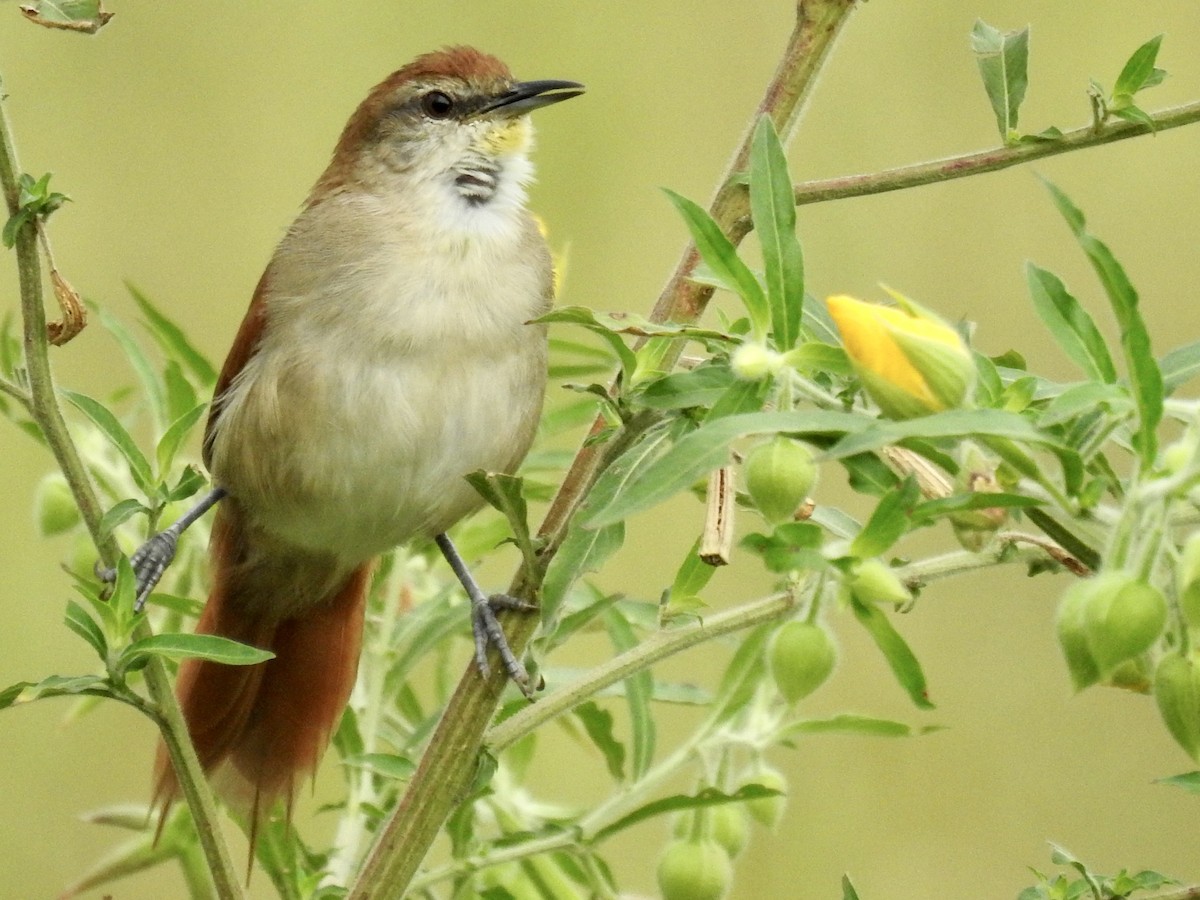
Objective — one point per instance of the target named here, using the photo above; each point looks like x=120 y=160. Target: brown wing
x=244 y=346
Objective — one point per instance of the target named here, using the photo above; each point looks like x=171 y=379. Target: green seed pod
x=54 y=507
x=1123 y=617
x=1177 y=690
x=694 y=870
x=779 y=476
x=873 y=581
x=801 y=657
x=1187 y=578
x=766 y=810
x=1072 y=635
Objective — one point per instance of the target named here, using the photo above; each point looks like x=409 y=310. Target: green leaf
x=721 y=256
x=504 y=493
x=1180 y=366
x=1136 y=115
x=1070 y=324
x=1062 y=857
x=86 y=16
x=739 y=397
x=639 y=690
x=954 y=423
x=1139 y=72
x=791 y=546
x=584 y=550
x=708 y=448
x=1083 y=399
x=173 y=341
x=852 y=724
x=55 y=686
x=891 y=519
x=680 y=390
x=1189 y=781
x=174 y=436
x=895 y=649
x=152 y=387
x=1003 y=60
x=614 y=481
x=121 y=512
x=1146 y=381
x=195 y=646
x=848 y=891
x=932 y=510
x=80 y=622
x=631 y=324
x=693 y=574
x=389 y=765
x=742 y=675
x=707 y=797
x=773 y=208
x=103 y=419
x=816 y=357
x=598 y=723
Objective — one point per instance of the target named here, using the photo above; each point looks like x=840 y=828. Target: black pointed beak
x=526 y=96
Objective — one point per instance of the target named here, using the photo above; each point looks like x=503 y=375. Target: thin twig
x=983 y=161
x=43 y=407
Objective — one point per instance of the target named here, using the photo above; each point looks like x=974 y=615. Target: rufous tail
x=259 y=729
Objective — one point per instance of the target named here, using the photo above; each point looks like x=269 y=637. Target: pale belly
x=355 y=458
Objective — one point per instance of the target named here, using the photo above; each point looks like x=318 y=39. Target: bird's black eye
x=437 y=105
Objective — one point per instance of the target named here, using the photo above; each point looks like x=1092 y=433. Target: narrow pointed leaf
x=773 y=207
x=103 y=419
x=721 y=256
x=196 y=646
x=675 y=803
x=891 y=519
x=1145 y=378
x=174 y=436
x=80 y=622
x=1139 y=70
x=173 y=341
x=1003 y=60
x=1180 y=366
x=639 y=690
x=1070 y=324
x=895 y=649
x=598 y=724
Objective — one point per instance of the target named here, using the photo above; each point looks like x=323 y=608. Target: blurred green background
x=188 y=133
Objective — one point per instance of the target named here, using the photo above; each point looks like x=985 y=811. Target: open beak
x=526 y=96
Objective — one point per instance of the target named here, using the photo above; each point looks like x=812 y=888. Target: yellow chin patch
x=508 y=136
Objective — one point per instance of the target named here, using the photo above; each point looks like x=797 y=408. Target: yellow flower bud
x=909 y=361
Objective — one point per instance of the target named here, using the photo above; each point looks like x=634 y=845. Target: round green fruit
x=694 y=870
x=780 y=474
x=1123 y=617
x=801 y=657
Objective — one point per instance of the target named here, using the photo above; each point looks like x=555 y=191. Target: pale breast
x=373 y=393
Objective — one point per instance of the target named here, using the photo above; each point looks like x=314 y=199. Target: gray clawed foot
x=149 y=563
x=487 y=631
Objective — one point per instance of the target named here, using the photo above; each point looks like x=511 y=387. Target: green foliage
x=1058 y=493
x=35 y=201
x=1003 y=60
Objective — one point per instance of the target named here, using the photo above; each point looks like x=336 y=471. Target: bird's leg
x=150 y=560
x=484 y=624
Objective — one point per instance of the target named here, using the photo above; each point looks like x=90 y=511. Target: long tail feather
x=259 y=729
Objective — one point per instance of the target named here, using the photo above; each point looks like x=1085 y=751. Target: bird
x=388 y=351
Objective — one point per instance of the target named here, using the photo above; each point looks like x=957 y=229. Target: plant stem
x=450 y=761
x=657 y=646
x=983 y=161
x=44 y=408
